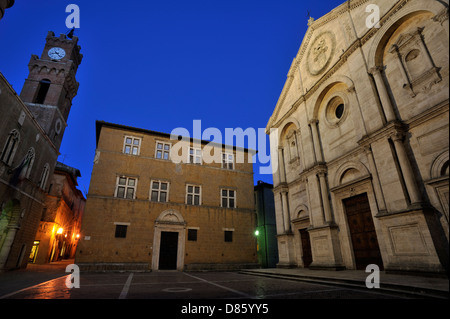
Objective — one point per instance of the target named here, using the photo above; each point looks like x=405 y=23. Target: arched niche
x=350 y=172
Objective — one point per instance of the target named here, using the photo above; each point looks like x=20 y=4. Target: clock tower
x=51 y=85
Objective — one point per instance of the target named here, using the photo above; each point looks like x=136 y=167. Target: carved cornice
x=438 y=110
x=391 y=129
x=280 y=188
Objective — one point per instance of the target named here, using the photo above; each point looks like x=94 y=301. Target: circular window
x=339 y=111
x=335 y=111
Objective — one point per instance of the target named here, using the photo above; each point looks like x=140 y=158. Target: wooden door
x=168 y=251
x=306 y=248
x=362 y=232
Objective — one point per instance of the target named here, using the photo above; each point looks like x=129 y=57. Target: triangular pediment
x=316 y=55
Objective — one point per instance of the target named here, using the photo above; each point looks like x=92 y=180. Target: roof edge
x=99 y=125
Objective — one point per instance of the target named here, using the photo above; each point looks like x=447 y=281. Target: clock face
x=56 y=53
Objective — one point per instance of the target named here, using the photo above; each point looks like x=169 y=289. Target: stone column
x=279 y=215
x=354 y=96
x=286 y=215
x=384 y=95
x=311 y=215
x=316 y=141
x=376 y=180
x=325 y=200
x=319 y=218
x=407 y=170
x=281 y=170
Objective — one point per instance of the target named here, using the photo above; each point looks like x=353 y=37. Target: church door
x=362 y=232
x=306 y=248
x=168 y=251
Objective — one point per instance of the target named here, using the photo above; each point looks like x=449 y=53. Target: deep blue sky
x=162 y=64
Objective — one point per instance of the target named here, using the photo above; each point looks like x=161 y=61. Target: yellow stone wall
x=98 y=243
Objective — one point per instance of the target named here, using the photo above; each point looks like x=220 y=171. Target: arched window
x=44 y=176
x=10 y=148
x=27 y=164
x=44 y=85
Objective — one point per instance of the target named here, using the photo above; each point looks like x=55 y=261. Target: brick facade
x=146 y=219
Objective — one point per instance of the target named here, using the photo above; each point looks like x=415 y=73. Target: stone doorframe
x=339 y=193
x=170 y=220
x=301 y=221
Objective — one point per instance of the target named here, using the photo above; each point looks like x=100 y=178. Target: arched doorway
x=301 y=224
x=306 y=247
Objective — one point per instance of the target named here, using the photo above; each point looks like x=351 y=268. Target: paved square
x=186 y=285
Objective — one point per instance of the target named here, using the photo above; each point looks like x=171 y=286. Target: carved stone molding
x=441 y=17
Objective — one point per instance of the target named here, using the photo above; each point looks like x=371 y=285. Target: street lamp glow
x=60 y=231
x=257 y=233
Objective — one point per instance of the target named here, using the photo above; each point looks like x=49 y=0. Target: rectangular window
x=126 y=187
x=228 y=236
x=227 y=161
x=195 y=155
x=193 y=195
x=192 y=234
x=132 y=145
x=159 y=191
x=162 y=150
x=228 y=198
x=121 y=231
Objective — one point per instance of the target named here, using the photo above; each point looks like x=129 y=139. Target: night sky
x=160 y=65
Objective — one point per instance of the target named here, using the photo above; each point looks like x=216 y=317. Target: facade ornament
x=441 y=17
x=321 y=53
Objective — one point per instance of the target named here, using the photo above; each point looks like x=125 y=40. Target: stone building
x=155 y=203
x=31 y=130
x=362 y=125
x=60 y=226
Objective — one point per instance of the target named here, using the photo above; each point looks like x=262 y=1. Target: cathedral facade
x=362 y=126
